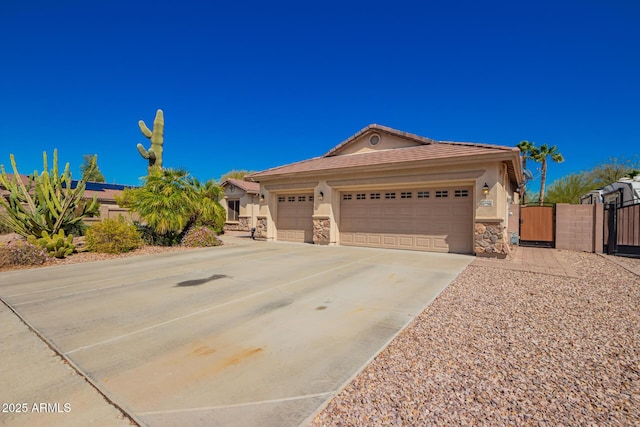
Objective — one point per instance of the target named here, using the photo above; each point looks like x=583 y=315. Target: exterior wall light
x=485 y=189
x=262 y=197
x=321 y=196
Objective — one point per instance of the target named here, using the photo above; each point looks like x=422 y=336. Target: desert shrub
x=201 y=236
x=152 y=237
x=113 y=236
x=78 y=229
x=21 y=253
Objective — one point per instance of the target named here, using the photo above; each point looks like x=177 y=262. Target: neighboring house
x=104 y=193
x=625 y=191
x=391 y=189
x=241 y=203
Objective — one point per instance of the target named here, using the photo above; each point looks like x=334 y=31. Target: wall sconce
x=320 y=196
x=262 y=197
x=485 y=189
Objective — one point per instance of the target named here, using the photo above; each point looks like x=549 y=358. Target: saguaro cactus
x=154 y=154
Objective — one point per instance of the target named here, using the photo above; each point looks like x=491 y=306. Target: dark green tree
x=89 y=169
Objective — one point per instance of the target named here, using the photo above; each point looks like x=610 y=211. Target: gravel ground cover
x=502 y=348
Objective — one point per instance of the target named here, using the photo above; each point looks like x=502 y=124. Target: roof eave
x=471 y=158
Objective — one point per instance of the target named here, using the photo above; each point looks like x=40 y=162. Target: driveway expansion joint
x=127 y=414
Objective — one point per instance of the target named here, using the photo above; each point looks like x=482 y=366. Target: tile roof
x=248 y=186
x=428 y=150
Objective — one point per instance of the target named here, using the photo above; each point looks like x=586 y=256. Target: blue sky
x=253 y=85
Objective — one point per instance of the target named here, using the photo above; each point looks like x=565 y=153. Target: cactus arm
x=144 y=129
x=143 y=152
x=154 y=153
x=16 y=177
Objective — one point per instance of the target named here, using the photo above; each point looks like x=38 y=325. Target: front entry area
x=295 y=222
x=427 y=219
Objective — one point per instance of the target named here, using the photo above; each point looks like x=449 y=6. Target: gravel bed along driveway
x=501 y=347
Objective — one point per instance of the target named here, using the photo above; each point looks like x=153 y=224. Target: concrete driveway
x=254 y=333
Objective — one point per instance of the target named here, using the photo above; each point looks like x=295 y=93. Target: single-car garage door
x=429 y=219
x=295 y=218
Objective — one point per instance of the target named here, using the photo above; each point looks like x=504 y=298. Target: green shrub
x=21 y=253
x=200 y=236
x=113 y=236
x=152 y=237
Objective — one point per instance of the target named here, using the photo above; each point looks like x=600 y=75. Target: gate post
x=612 y=238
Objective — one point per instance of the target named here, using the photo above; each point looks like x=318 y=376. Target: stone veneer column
x=261 y=227
x=321 y=230
x=491 y=239
x=245 y=223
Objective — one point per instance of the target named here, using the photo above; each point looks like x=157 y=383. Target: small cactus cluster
x=154 y=153
x=56 y=245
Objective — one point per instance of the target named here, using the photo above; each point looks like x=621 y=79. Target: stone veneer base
x=491 y=240
x=321 y=231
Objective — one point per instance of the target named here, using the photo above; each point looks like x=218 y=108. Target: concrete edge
x=335 y=392
x=612 y=259
x=127 y=414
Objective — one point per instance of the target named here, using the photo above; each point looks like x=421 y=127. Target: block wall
x=576 y=227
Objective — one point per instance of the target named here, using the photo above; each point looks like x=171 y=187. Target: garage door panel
x=390 y=240
x=406 y=241
x=370 y=239
x=410 y=221
x=440 y=243
x=423 y=243
x=295 y=218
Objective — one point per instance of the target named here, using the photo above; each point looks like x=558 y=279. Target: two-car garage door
x=430 y=219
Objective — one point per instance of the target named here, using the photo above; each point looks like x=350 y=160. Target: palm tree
x=540 y=156
x=171 y=201
x=528 y=150
x=165 y=200
x=208 y=210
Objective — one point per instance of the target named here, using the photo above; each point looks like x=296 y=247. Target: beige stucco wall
x=493 y=207
x=387 y=142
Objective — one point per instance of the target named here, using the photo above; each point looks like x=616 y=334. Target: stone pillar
x=491 y=239
x=261 y=227
x=245 y=223
x=321 y=230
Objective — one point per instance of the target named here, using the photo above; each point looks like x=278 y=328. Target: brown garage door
x=429 y=219
x=295 y=218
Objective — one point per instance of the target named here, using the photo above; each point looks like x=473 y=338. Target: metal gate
x=622 y=229
x=537 y=226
